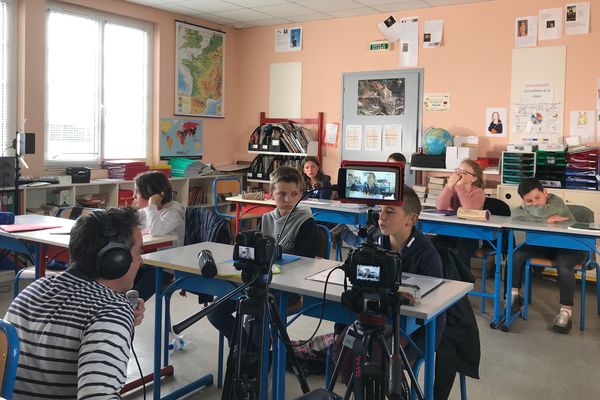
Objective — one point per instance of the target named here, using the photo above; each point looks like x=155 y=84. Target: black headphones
x=114 y=259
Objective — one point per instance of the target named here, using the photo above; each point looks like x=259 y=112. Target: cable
x=140 y=368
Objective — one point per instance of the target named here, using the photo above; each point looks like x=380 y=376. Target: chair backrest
x=204 y=225
x=9 y=351
x=496 y=207
x=226 y=185
x=323 y=242
x=581 y=213
x=74 y=212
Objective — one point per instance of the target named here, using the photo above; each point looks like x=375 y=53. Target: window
x=7 y=68
x=98 y=77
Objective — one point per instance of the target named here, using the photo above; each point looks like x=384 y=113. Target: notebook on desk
x=585 y=226
x=435 y=211
x=27 y=227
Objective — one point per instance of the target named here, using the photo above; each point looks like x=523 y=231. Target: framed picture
x=380 y=97
x=199 y=71
x=180 y=138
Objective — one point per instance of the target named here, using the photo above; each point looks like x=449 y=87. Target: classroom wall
x=31 y=76
x=473 y=65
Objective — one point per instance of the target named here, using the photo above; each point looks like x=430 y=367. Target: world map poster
x=199 y=71
x=180 y=138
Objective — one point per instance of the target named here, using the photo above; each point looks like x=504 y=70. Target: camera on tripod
x=253 y=252
x=370 y=268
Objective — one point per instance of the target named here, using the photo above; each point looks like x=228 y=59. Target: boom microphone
x=133 y=297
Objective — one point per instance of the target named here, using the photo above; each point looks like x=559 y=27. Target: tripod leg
x=285 y=338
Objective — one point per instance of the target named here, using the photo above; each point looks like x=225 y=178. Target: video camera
x=252 y=252
x=370 y=268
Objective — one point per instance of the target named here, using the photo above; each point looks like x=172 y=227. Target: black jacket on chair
x=204 y=225
x=459 y=351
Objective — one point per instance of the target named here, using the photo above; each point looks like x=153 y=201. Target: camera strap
x=358 y=359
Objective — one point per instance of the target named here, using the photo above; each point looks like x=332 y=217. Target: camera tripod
x=248 y=361
x=376 y=373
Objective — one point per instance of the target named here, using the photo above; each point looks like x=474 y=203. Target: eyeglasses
x=462 y=171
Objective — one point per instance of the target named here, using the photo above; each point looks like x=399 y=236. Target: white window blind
x=98 y=85
x=7 y=68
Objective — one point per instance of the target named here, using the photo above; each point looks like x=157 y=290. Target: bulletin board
x=538 y=94
x=387 y=108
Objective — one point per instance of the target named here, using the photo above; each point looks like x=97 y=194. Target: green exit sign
x=379 y=45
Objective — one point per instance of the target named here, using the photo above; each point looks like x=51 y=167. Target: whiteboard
x=285 y=90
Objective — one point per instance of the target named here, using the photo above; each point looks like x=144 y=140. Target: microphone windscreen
x=206 y=263
x=134 y=298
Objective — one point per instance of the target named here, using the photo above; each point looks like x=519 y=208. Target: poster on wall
x=432 y=33
x=550 y=26
x=180 y=138
x=542 y=118
x=331 y=133
x=373 y=138
x=392 y=138
x=353 y=137
x=525 y=31
x=582 y=125
x=577 y=18
x=496 y=123
x=288 y=39
x=436 y=102
x=409 y=42
x=380 y=97
x=199 y=71
x=536 y=92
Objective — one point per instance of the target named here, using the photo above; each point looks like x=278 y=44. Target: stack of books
x=124 y=169
x=165 y=169
x=295 y=139
x=421 y=192
x=434 y=188
x=185 y=167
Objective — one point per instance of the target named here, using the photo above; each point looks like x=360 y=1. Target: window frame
x=103 y=18
x=11 y=78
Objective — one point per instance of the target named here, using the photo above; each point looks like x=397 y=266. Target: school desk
x=556 y=235
x=292 y=279
x=490 y=232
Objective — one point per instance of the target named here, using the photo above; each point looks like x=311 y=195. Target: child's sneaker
x=562 y=322
x=516 y=302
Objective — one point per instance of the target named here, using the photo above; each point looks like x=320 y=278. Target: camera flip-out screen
x=367 y=273
x=371 y=182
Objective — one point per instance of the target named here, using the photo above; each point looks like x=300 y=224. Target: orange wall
x=473 y=65
x=31 y=75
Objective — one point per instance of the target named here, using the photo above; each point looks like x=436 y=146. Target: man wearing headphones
x=76 y=328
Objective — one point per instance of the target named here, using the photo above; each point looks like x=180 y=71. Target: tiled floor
x=529 y=362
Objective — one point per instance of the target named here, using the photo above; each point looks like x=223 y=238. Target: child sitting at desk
x=464 y=189
x=315 y=179
x=541 y=206
x=161 y=215
x=419 y=256
x=371 y=187
x=299 y=237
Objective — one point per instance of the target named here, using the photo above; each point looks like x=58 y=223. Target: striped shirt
x=75 y=337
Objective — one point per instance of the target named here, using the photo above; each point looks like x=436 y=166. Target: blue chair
x=323 y=242
x=9 y=349
x=581 y=214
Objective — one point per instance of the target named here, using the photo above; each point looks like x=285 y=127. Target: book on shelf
x=435 y=192
x=435 y=186
x=419 y=188
x=437 y=180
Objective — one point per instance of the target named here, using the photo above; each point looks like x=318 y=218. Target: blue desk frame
x=567 y=239
x=334 y=311
x=492 y=235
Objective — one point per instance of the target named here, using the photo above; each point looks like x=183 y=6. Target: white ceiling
x=241 y=14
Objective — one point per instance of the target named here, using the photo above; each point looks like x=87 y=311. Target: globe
x=435 y=141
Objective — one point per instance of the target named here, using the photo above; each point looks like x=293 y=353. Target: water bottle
x=177 y=344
